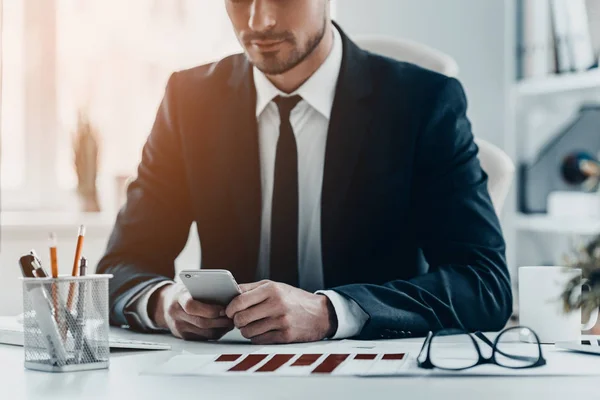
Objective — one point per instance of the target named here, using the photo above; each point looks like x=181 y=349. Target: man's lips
x=267 y=45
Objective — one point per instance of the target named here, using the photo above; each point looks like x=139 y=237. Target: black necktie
x=284 y=215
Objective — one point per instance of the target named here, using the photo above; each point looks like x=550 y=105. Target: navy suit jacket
x=402 y=186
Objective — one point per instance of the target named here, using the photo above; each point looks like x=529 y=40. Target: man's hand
x=186 y=318
x=268 y=312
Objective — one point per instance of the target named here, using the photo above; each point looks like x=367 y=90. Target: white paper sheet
x=207 y=365
x=559 y=362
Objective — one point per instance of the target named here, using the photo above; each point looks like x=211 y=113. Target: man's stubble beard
x=276 y=67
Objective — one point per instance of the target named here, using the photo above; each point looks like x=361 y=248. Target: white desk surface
x=123 y=381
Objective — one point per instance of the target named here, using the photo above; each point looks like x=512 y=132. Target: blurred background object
x=409 y=51
x=121 y=184
x=587 y=258
x=1 y=73
x=567 y=163
x=86 y=149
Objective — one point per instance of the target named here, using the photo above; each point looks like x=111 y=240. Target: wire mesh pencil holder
x=65 y=323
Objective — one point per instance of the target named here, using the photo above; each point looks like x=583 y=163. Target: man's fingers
x=249 y=299
x=198 y=309
x=261 y=327
x=208 y=323
x=219 y=333
x=187 y=331
x=272 y=337
x=266 y=309
x=246 y=287
x=184 y=330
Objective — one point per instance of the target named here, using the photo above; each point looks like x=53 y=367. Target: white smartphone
x=211 y=286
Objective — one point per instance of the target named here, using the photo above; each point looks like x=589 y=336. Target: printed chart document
x=287 y=362
x=367 y=359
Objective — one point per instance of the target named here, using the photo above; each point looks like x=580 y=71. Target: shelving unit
x=545 y=224
x=531 y=92
x=556 y=84
x=541 y=90
x=535 y=110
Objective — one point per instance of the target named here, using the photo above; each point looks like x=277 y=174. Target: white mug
x=541 y=306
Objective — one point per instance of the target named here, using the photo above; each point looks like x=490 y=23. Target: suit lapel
x=350 y=120
x=241 y=159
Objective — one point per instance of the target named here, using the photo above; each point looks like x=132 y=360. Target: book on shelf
x=536 y=43
x=579 y=36
x=593 y=9
x=557 y=36
x=560 y=27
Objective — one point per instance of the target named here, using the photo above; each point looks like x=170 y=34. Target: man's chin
x=270 y=64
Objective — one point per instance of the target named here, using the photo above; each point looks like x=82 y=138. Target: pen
x=43 y=312
x=83 y=267
x=54 y=271
x=80 y=323
x=87 y=349
x=75 y=270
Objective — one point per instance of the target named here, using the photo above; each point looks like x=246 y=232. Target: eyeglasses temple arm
x=424 y=347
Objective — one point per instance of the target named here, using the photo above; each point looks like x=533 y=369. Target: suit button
x=403 y=334
x=409 y=333
x=382 y=336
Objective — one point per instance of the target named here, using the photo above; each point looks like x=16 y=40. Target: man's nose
x=262 y=15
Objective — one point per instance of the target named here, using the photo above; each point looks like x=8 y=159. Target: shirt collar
x=318 y=91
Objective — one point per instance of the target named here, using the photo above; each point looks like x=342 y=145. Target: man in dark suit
x=333 y=172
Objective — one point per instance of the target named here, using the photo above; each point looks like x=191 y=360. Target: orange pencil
x=75 y=270
x=54 y=271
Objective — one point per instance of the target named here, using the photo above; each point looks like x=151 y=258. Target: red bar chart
x=286 y=364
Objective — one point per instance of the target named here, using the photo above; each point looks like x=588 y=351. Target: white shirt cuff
x=351 y=318
x=140 y=305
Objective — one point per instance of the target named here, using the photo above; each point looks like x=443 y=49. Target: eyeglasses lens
x=517 y=348
x=453 y=350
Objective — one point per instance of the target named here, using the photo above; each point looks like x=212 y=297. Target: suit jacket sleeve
x=153 y=227
x=468 y=284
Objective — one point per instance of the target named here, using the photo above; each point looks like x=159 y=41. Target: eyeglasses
x=457 y=350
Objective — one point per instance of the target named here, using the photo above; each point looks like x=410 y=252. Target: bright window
x=12 y=156
x=112 y=60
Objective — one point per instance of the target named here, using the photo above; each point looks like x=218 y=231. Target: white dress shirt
x=310 y=122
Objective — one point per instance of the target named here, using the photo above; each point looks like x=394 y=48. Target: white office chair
x=494 y=161
x=409 y=51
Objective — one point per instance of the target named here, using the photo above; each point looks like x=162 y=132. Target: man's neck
x=291 y=80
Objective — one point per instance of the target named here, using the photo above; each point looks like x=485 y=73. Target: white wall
x=471 y=31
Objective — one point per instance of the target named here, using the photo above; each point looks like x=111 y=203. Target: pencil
x=54 y=271
x=75 y=270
